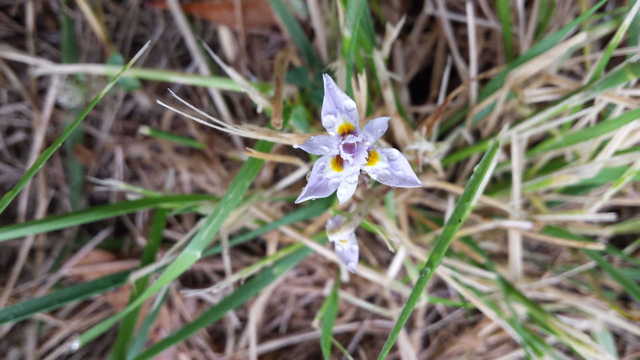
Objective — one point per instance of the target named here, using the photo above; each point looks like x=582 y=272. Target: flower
x=343 y=236
x=347 y=149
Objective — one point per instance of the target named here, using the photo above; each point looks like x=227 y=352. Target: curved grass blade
x=626 y=73
x=127 y=327
x=314 y=209
x=467 y=200
x=232 y=301
x=585 y=134
x=51 y=301
x=630 y=286
x=328 y=313
x=96 y=213
x=193 y=252
x=57 y=143
x=614 y=42
x=180 y=140
x=142 y=333
x=59 y=298
x=297 y=34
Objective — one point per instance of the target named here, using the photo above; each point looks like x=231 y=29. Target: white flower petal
x=348 y=186
x=345 y=242
x=375 y=128
x=391 y=168
x=322 y=182
x=339 y=112
x=321 y=145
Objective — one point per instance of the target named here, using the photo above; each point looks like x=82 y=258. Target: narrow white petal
x=391 y=168
x=345 y=241
x=337 y=108
x=321 y=145
x=348 y=186
x=322 y=182
x=375 y=128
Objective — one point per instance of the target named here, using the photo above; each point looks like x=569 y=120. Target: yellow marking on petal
x=346 y=128
x=343 y=242
x=336 y=163
x=373 y=157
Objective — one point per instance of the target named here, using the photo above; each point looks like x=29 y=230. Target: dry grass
x=428 y=68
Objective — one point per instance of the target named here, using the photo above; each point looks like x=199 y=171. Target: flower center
x=349 y=148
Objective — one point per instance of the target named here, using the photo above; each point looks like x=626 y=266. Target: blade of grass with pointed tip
x=61 y=297
x=193 y=251
x=180 y=140
x=358 y=39
x=127 y=327
x=96 y=213
x=241 y=295
x=297 y=34
x=614 y=42
x=328 y=314
x=66 y=133
x=504 y=12
x=466 y=202
x=585 y=134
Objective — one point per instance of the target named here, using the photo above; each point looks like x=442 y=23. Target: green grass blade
x=66 y=133
x=614 y=42
x=174 y=77
x=626 y=73
x=545 y=12
x=297 y=34
x=537 y=49
x=358 y=39
x=328 y=313
x=212 y=223
x=75 y=171
x=503 y=8
x=586 y=134
x=232 y=301
x=127 y=327
x=142 y=334
x=96 y=213
x=630 y=286
x=180 y=140
x=61 y=297
x=314 y=209
x=467 y=200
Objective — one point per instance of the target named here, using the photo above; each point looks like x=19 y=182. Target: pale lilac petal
x=321 y=145
x=322 y=182
x=392 y=169
x=348 y=252
x=375 y=128
x=337 y=108
x=345 y=242
x=348 y=186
